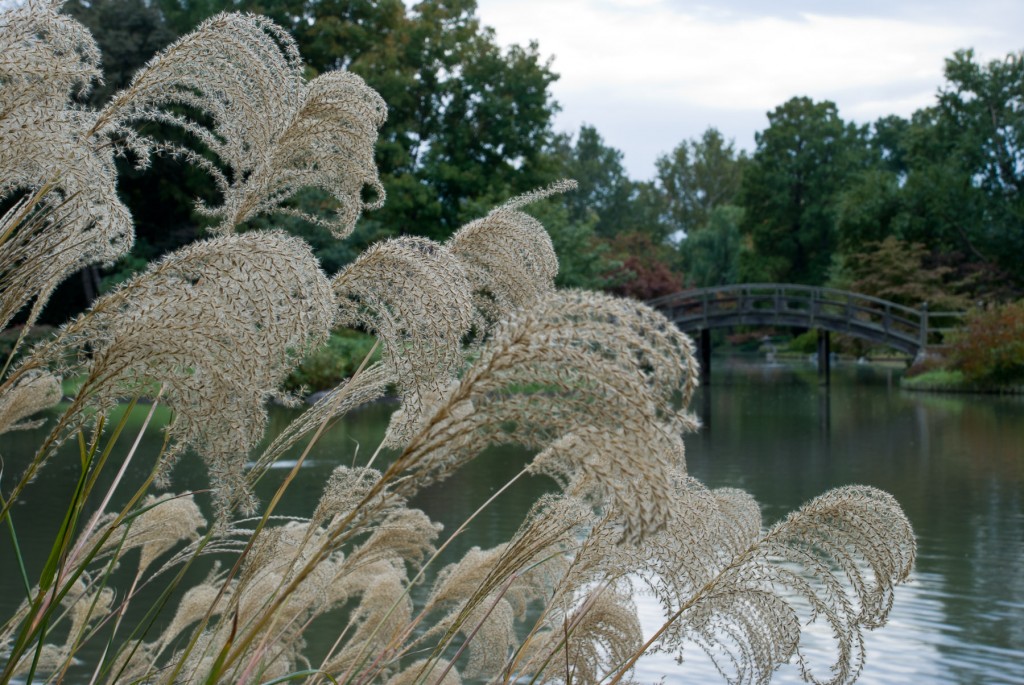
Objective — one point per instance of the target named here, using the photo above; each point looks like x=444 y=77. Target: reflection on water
x=956 y=463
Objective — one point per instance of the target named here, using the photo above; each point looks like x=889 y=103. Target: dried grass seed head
x=413 y=673
x=70 y=214
x=603 y=466
x=750 y=594
x=384 y=611
x=560 y=367
x=413 y=294
x=33 y=393
x=45 y=53
x=605 y=632
x=161 y=525
x=182 y=325
x=272 y=133
x=508 y=255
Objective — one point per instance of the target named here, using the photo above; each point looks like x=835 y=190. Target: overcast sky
x=651 y=73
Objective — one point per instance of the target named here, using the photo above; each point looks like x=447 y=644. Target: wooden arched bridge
x=880 y=321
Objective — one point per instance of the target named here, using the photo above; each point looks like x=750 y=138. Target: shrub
x=990 y=347
x=213 y=330
x=805 y=343
x=934 y=380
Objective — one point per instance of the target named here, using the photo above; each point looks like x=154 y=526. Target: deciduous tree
x=802 y=161
x=698 y=176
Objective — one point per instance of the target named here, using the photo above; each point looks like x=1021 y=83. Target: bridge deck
x=782 y=304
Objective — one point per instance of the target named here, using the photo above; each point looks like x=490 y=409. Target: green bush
x=990 y=348
x=935 y=379
x=805 y=343
x=330 y=364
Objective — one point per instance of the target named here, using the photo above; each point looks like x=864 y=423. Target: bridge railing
x=791 y=304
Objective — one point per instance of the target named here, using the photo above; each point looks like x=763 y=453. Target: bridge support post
x=705 y=357
x=824 y=357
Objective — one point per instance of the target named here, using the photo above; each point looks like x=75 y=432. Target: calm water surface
x=955 y=463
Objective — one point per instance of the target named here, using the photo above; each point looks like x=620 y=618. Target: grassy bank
x=952 y=380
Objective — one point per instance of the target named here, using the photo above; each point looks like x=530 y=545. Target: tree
x=950 y=177
x=802 y=161
x=605 y=191
x=710 y=256
x=981 y=110
x=870 y=209
x=646 y=270
x=903 y=272
x=920 y=189
x=698 y=176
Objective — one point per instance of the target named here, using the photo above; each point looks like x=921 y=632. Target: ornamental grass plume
x=413 y=294
x=508 y=256
x=67 y=214
x=32 y=394
x=591 y=376
x=482 y=349
x=272 y=133
x=177 y=329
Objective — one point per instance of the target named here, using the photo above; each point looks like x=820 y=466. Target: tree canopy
x=802 y=161
x=470 y=123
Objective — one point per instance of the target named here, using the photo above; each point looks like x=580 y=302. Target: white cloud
x=743 y=63
x=642 y=55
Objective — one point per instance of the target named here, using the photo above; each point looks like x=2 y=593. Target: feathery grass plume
x=403 y=536
x=191 y=608
x=83 y=607
x=593 y=461
x=380 y=618
x=158 y=527
x=473 y=592
x=486 y=591
x=413 y=294
x=376 y=573
x=272 y=132
x=276 y=650
x=139 y=661
x=161 y=525
x=862 y=536
x=69 y=214
x=33 y=393
x=586 y=642
x=490 y=628
x=746 y=596
x=564 y=366
x=344 y=491
x=278 y=554
x=508 y=254
x=412 y=675
x=373 y=576
x=184 y=324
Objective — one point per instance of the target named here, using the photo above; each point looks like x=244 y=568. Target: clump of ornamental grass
x=481 y=348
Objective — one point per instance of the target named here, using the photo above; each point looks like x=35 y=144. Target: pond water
x=955 y=463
